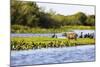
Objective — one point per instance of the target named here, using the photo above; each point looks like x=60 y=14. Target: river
x=59 y=35
x=53 y=55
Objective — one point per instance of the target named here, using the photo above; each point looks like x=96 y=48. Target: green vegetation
x=28 y=17
x=26 y=29
x=25 y=43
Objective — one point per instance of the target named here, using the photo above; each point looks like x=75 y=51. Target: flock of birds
x=88 y=35
x=74 y=35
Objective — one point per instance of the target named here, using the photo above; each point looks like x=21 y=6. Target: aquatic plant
x=26 y=43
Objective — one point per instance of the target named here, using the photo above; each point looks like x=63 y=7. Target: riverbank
x=26 y=43
x=25 y=29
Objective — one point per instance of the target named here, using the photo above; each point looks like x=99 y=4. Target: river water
x=53 y=55
x=59 y=35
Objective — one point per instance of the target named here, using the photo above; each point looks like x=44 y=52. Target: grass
x=25 y=29
x=25 y=43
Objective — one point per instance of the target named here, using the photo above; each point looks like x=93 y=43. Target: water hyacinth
x=26 y=43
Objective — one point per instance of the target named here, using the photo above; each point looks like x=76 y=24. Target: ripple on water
x=53 y=55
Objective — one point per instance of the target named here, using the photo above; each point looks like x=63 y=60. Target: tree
x=24 y=13
x=46 y=21
x=90 y=20
x=81 y=17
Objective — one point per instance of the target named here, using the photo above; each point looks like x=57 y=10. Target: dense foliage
x=31 y=15
x=26 y=43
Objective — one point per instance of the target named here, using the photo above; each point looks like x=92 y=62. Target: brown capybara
x=71 y=35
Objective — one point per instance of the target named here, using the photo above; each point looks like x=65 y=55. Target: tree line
x=31 y=15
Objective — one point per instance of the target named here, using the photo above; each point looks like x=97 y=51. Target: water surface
x=59 y=35
x=53 y=55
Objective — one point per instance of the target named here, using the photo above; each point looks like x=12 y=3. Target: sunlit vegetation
x=26 y=43
x=26 y=29
x=29 y=17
